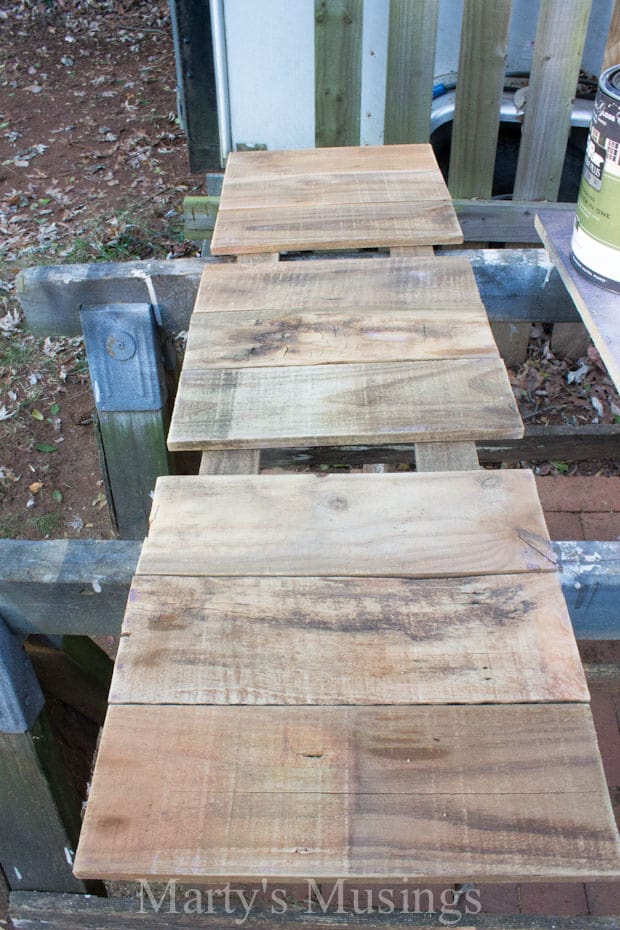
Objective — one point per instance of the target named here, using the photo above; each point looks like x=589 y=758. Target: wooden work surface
x=437 y=794
x=333 y=198
x=599 y=308
x=341 y=352
x=410 y=598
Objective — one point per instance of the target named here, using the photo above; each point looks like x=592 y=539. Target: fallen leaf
x=37 y=414
x=35 y=487
x=57 y=496
x=45 y=447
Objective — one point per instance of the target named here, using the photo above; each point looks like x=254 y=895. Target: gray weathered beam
x=78 y=912
x=515 y=284
x=21 y=698
x=81 y=587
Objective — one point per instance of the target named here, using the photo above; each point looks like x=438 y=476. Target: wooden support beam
x=515 y=284
x=43 y=599
x=482 y=62
x=338 y=69
x=410 y=70
x=231 y=462
x=446 y=456
x=77 y=912
x=612 y=49
x=560 y=38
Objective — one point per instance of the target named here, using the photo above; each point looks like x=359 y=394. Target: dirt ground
x=93 y=166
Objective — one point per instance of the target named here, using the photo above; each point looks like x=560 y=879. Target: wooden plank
x=560 y=38
x=277 y=338
x=287 y=792
x=338 y=71
x=435 y=525
x=571 y=339
x=268 y=166
x=249 y=408
x=446 y=456
x=410 y=69
x=85 y=590
x=502 y=220
x=232 y=462
x=598 y=308
x=281 y=641
x=41 y=911
x=341 y=226
x=301 y=190
x=400 y=285
x=510 y=283
x=482 y=62
x=612 y=48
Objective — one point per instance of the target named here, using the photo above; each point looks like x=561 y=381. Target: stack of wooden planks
x=363 y=676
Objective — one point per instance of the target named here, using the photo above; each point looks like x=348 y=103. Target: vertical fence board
x=482 y=59
x=612 y=49
x=338 y=70
x=410 y=69
x=560 y=38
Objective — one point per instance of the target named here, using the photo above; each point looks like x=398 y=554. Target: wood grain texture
x=274 y=338
x=499 y=639
x=338 y=71
x=412 y=40
x=482 y=63
x=274 y=165
x=390 y=284
x=298 y=190
x=231 y=462
x=456 y=399
x=612 y=48
x=414 y=525
x=333 y=198
x=433 y=793
x=560 y=37
x=339 y=226
x=446 y=456
x=598 y=308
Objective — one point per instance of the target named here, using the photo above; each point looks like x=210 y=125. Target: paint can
x=595 y=246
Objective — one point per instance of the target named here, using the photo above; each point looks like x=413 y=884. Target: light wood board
x=415 y=525
x=278 y=338
x=432 y=793
x=395 y=285
x=457 y=399
x=599 y=309
x=333 y=198
x=505 y=638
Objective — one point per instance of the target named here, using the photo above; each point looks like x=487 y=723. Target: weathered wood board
x=599 y=308
x=504 y=638
x=457 y=399
x=414 y=525
x=433 y=793
x=333 y=198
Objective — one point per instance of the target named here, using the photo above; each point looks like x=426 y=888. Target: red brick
x=499 y=899
x=554 y=899
x=603 y=899
x=606 y=723
x=601 y=526
x=564 y=525
x=579 y=494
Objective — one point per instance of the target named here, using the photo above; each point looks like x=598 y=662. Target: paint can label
x=595 y=246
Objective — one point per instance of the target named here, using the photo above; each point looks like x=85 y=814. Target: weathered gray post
x=125 y=361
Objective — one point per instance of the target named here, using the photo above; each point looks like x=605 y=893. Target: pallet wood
x=598 y=308
x=348 y=525
x=612 y=49
x=288 y=792
x=40 y=911
x=278 y=338
x=233 y=462
x=338 y=200
x=47 y=587
x=446 y=456
x=281 y=641
x=410 y=68
x=342 y=226
x=456 y=399
x=482 y=62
